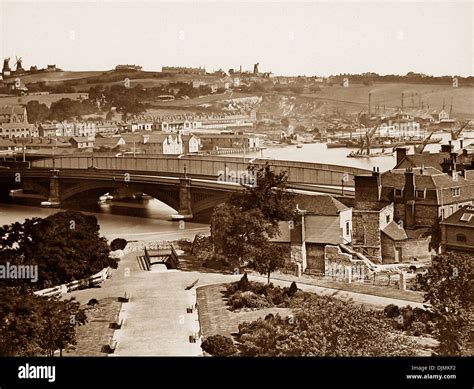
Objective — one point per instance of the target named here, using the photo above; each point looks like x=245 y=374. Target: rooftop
x=463 y=217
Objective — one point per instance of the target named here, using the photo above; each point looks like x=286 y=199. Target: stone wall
x=410 y=249
x=315 y=258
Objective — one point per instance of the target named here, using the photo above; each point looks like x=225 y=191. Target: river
x=318 y=152
x=149 y=220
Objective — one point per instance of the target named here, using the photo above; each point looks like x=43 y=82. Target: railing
x=298 y=172
x=74 y=285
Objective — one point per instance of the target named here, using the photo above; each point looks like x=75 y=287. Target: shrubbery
x=415 y=321
x=219 y=346
x=118 y=244
x=250 y=294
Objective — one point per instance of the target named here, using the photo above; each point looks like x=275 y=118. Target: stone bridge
x=193 y=186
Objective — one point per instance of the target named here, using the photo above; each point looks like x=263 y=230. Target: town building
x=229 y=141
x=395 y=212
x=14 y=123
x=108 y=143
x=155 y=143
x=457 y=230
x=323 y=220
x=82 y=142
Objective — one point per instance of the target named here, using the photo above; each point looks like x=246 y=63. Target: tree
x=268 y=258
x=33 y=325
x=37 y=112
x=243 y=226
x=57 y=246
x=448 y=290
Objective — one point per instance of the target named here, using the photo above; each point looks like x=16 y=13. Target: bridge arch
x=92 y=190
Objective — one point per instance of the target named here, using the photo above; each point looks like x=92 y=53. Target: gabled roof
x=394 y=231
x=320 y=205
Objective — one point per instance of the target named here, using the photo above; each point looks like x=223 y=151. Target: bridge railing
x=298 y=172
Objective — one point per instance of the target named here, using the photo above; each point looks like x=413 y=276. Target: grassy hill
x=355 y=97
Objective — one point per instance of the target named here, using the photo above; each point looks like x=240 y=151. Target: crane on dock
x=455 y=133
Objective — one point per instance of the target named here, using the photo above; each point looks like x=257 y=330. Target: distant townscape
x=274 y=192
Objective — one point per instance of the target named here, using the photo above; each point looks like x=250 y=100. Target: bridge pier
x=54 y=198
x=185 y=202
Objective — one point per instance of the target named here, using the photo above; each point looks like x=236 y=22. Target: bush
x=248 y=300
x=243 y=284
x=293 y=289
x=391 y=311
x=118 y=244
x=219 y=346
x=418 y=328
x=408 y=316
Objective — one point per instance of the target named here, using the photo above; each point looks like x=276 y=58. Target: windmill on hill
x=18 y=65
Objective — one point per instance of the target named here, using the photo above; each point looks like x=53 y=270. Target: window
x=456 y=192
x=348 y=228
x=398 y=193
x=387 y=218
x=461 y=238
x=420 y=194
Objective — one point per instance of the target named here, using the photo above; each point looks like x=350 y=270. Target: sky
x=297 y=38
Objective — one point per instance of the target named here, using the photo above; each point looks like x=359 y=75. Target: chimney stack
x=401 y=153
x=409 y=190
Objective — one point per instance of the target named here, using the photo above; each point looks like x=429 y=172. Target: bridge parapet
x=298 y=172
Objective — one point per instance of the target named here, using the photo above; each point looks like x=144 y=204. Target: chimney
x=409 y=197
x=401 y=153
x=446 y=165
x=409 y=189
x=447 y=148
x=376 y=172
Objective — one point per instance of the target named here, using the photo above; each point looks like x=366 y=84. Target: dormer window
x=455 y=192
x=420 y=194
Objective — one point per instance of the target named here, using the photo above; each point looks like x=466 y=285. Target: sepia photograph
x=259 y=186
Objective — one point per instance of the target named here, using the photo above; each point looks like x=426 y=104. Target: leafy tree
x=243 y=226
x=33 y=325
x=37 y=112
x=268 y=258
x=448 y=290
x=57 y=246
